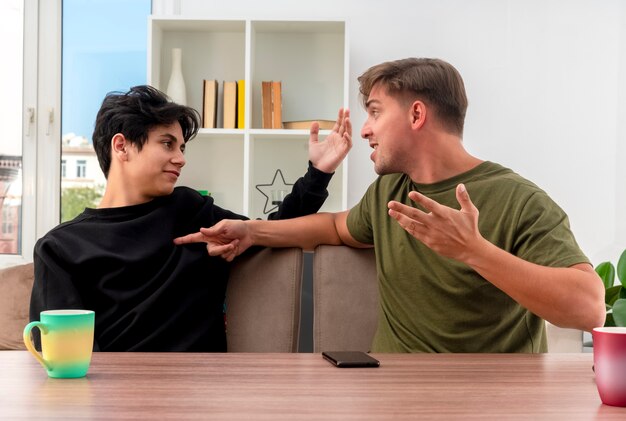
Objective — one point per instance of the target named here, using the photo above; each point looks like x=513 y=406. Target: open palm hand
x=326 y=155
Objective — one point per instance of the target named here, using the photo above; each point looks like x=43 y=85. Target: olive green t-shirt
x=430 y=303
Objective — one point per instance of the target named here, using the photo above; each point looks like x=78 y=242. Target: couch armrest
x=16 y=284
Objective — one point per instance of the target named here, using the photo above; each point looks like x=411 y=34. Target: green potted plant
x=614 y=295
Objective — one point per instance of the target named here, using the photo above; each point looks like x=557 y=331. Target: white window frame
x=41 y=139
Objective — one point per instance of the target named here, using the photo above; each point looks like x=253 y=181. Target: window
x=8 y=213
x=81 y=168
x=97 y=36
x=27 y=116
x=96 y=60
x=12 y=28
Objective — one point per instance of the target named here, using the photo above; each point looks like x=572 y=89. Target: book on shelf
x=277 y=105
x=306 y=124
x=209 y=104
x=241 y=104
x=271 y=105
x=230 y=105
x=266 y=104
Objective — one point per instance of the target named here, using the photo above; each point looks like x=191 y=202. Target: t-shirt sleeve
x=359 y=220
x=544 y=236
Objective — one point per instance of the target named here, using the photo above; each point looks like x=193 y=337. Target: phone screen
x=350 y=359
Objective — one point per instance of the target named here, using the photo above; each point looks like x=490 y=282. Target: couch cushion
x=345 y=298
x=16 y=283
x=263 y=301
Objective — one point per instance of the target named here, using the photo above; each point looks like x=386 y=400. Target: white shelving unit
x=309 y=57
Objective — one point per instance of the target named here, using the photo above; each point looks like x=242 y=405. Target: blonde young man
x=450 y=279
x=119 y=259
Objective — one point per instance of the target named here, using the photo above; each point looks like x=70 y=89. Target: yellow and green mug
x=66 y=342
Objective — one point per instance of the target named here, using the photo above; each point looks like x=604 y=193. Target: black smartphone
x=347 y=359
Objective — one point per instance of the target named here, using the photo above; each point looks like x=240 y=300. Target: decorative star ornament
x=275 y=185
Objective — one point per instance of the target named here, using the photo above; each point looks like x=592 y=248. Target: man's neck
x=439 y=158
x=116 y=196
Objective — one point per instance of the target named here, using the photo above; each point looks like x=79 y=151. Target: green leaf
x=621 y=268
x=612 y=294
x=622 y=292
x=619 y=312
x=609 y=322
x=606 y=271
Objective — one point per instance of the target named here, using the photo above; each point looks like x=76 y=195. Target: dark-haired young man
x=449 y=280
x=119 y=259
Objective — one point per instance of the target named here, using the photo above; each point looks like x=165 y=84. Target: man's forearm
x=306 y=232
x=567 y=297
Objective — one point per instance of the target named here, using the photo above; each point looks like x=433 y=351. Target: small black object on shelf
x=274 y=192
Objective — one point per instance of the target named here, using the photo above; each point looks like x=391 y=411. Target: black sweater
x=147 y=293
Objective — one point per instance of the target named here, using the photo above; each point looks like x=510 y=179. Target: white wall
x=545 y=80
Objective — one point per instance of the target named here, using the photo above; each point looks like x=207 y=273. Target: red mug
x=609 y=362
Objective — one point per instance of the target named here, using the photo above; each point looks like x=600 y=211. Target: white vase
x=176 y=86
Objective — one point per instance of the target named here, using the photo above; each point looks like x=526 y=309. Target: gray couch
x=346 y=299
x=263 y=302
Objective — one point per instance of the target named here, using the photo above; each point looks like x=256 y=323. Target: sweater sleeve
x=307 y=195
x=53 y=288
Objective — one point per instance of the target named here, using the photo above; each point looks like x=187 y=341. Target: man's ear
x=418 y=114
x=119 y=146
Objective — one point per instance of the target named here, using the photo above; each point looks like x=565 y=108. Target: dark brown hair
x=431 y=80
